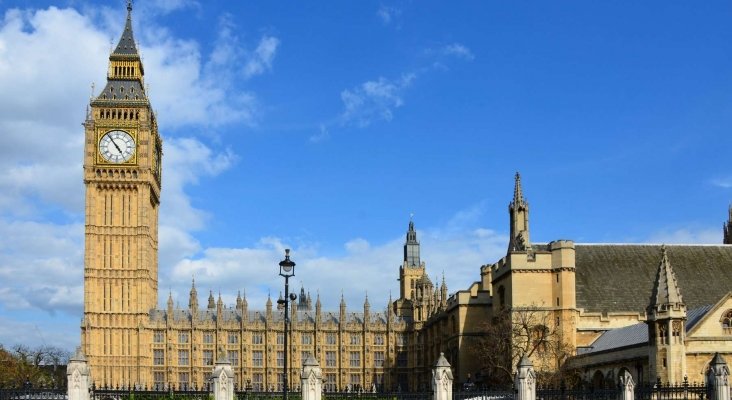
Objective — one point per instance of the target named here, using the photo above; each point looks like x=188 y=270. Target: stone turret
x=318 y=310
x=366 y=310
x=170 y=305
x=666 y=325
x=342 y=311
x=268 y=311
x=443 y=293
x=518 y=211
x=193 y=299
x=211 y=301
x=219 y=309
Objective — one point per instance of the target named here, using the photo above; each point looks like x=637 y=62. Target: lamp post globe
x=287 y=270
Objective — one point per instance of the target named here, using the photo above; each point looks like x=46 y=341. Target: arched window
x=727 y=321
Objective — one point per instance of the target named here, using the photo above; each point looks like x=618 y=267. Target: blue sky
x=322 y=126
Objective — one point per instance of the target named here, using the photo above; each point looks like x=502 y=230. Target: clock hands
x=114 y=143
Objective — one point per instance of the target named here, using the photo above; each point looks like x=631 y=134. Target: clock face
x=117 y=146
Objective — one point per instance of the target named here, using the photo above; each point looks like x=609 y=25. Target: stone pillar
x=223 y=379
x=441 y=379
x=78 y=376
x=311 y=379
x=627 y=386
x=525 y=380
x=717 y=378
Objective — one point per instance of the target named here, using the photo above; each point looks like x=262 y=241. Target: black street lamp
x=287 y=269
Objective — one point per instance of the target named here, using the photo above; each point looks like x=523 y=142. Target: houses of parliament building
x=590 y=292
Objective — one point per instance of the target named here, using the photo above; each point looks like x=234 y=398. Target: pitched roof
x=620 y=277
x=636 y=334
x=126 y=45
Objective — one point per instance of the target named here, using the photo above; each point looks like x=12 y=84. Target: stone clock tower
x=122 y=175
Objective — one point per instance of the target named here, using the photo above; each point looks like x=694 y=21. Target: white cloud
x=457 y=251
x=374 y=100
x=388 y=14
x=168 y=6
x=190 y=91
x=458 y=50
x=41 y=105
x=687 y=236
x=48 y=59
x=260 y=61
x=186 y=160
x=322 y=134
x=41 y=266
x=724 y=183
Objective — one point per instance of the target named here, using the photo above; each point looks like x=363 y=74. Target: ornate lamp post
x=287 y=270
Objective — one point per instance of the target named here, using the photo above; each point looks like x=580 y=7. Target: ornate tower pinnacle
x=728 y=228
x=170 y=301
x=411 y=247
x=666 y=325
x=666 y=297
x=269 y=307
x=518 y=211
x=193 y=296
x=211 y=301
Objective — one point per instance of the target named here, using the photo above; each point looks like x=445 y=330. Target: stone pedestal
x=627 y=386
x=311 y=380
x=442 y=379
x=78 y=376
x=525 y=380
x=718 y=378
x=223 y=380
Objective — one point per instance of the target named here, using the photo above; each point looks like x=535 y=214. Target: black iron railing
x=356 y=395
x=483 y=394
x=33 y=394
x=154 y=393
x=684 y=391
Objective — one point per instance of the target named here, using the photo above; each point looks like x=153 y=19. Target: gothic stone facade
x=614 y=305
x=588 y=292
x=127 y=340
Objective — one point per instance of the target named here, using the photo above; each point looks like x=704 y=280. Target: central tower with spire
x=122 y=176
x=418 y=298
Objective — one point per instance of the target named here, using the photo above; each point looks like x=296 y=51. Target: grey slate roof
x=126 y=45
x=620 y=277
x=638 y=333
x=621 y=337
x=117 y=89
x=232 y=314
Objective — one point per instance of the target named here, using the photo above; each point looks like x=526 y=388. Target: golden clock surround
x=103 y=130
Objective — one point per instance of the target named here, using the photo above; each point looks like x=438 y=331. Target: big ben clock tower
x=122 y=175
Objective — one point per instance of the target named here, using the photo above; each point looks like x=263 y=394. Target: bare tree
x=518 y=332
x=39 y=367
